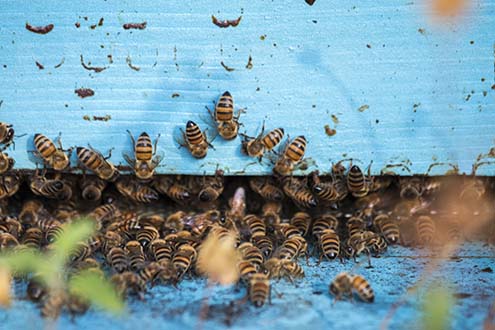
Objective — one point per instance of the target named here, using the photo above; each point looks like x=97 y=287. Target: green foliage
x=437 y=305
x=97 y=290
x=50 y=268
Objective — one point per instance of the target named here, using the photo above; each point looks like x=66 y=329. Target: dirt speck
x=86 y=117
x=363 y=108
x=84 y=92
x=263 y=37
x=227 y=68
x=77 y=24
x=128 y=60
x=40 y=29
x=487 y=270
x=110 y=58
x=249 y=64
x=330 y=131
x=422 y=31
x=39 y=65
x=462 y=295
x=335 y=119
x=88 y=66
x=368 y=46
x=174 y=95
x=136 y=26
x=102 y=118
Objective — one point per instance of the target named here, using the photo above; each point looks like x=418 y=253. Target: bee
x=388 y=228
x=355 y=225
x=53 y=304
x=7 y=242
x=259 y=289
x=256 y=225
x=82 y=251
x=228 y=124
x=51 y=155
x=285 y=231
x=86 y=264
x=302 y=221
x=195 y=140
x=161 y=250
x=147 y=234
x=6 y=163
x=329 y=244
x=10 y=225
x=136 y=191
x=6 y=134
x=128 y=283
x=237 y=205
x=472 y=190
x=105 y=213
x=212 y=187
x=111 y=239
x=297 y=191
x=152 y=219
x=145 y=159
x=323 y=222
x=425 y=228
x=54 y=233
x=357 y=183
x=271 y=213
x=150 y=272
x=183 y=259
x=246 y=270
x=33 y=237
x=117 y=259
x=266 y=189
x=345 y=284
x=30 y=212
x=9 y=185
x=366 y=206
x=292 y=248
x=77 y=305
x=291 y=157
x=50 y=188
x=173 y=189
x=328 y=192
x=264 y=243
x=36 y=291
x=251 y=253
x=174 y=222
x=256 y=147
x=96 y=162
x=411 y=188
x=92 y=188
x=129 y=225
x=135 y=254
x=283 y=268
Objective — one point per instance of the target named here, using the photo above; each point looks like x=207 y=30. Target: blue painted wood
x=429 y=93
x=305 y=304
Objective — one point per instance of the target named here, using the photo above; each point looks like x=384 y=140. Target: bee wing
x=157 y=159
x=129 y=159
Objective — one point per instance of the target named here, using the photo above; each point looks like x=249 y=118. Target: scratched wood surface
x=425 y=90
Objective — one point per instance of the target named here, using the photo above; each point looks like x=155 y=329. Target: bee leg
x=210 y=112
x=132 y=139
x=156 y=143
x=109 y=154
x=270 y=295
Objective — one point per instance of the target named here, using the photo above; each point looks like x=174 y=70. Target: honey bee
x=271 y=214
x=472 y=190
x=212 y=187
x=152 y=219
x=251 y=253
x=82 y=251
x=302 y=221
x=357 y=183
x=117 y=259
x=7 y=242
x=50 y=188
x=255 y=224
x=33 y=237
x=323 y=222
x=411 y=188
x=195 y=140
x=11 y=225
x=53 y=304
x=328 y=192
x=54 y=233
x=259 y=289
x=96 y=162
x=425 y=228
x=135 y=254
x=77 y=305
x=256 y=147
x=283 y=268
x=6 y=134
x=355 y=225
x=105 y=213
x=291 y=157
x=92 y=188
x=292 y=248
x=264 y=243
x=136 y=191
x=128 y=283
x=111 y=239
x=145 y=159
x=345 y=284
x=266 y=189
x=6 y=163
x=299 y=193
x=36 y=291
x=9 y=185
x=388 y=228
x=173 y=189
x=147 y=234
x=329 y=244
x=51 y=155
x=174 y=222
x=246 y=270
x=150 y=272
x=286 y=230
x=237 y=205
x=228 y=124
x=183 y=259
x=161 y=250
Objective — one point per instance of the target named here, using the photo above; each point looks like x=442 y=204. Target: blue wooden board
x=428 y=85
x=306 y=304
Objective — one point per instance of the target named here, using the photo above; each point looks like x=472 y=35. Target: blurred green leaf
x=22 y=262
x=74 y=233
x=97 y=290
x=436 y=308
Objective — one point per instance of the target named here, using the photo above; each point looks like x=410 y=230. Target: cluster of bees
x=276 y=221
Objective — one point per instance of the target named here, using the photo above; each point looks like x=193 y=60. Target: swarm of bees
x=150 y=228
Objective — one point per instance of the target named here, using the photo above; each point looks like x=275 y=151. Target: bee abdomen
x=426 y=229
x=302 y=221
x=89 y=158
x=146 y=235
x=273 y=138
x=256 y=225
x=363 y=289
x=246 y=270
x=295 y=150
x=224 y=110
x=193 y=133
x=330 y=244
x=44 y=145
x=117 y=259
x=144 y=147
